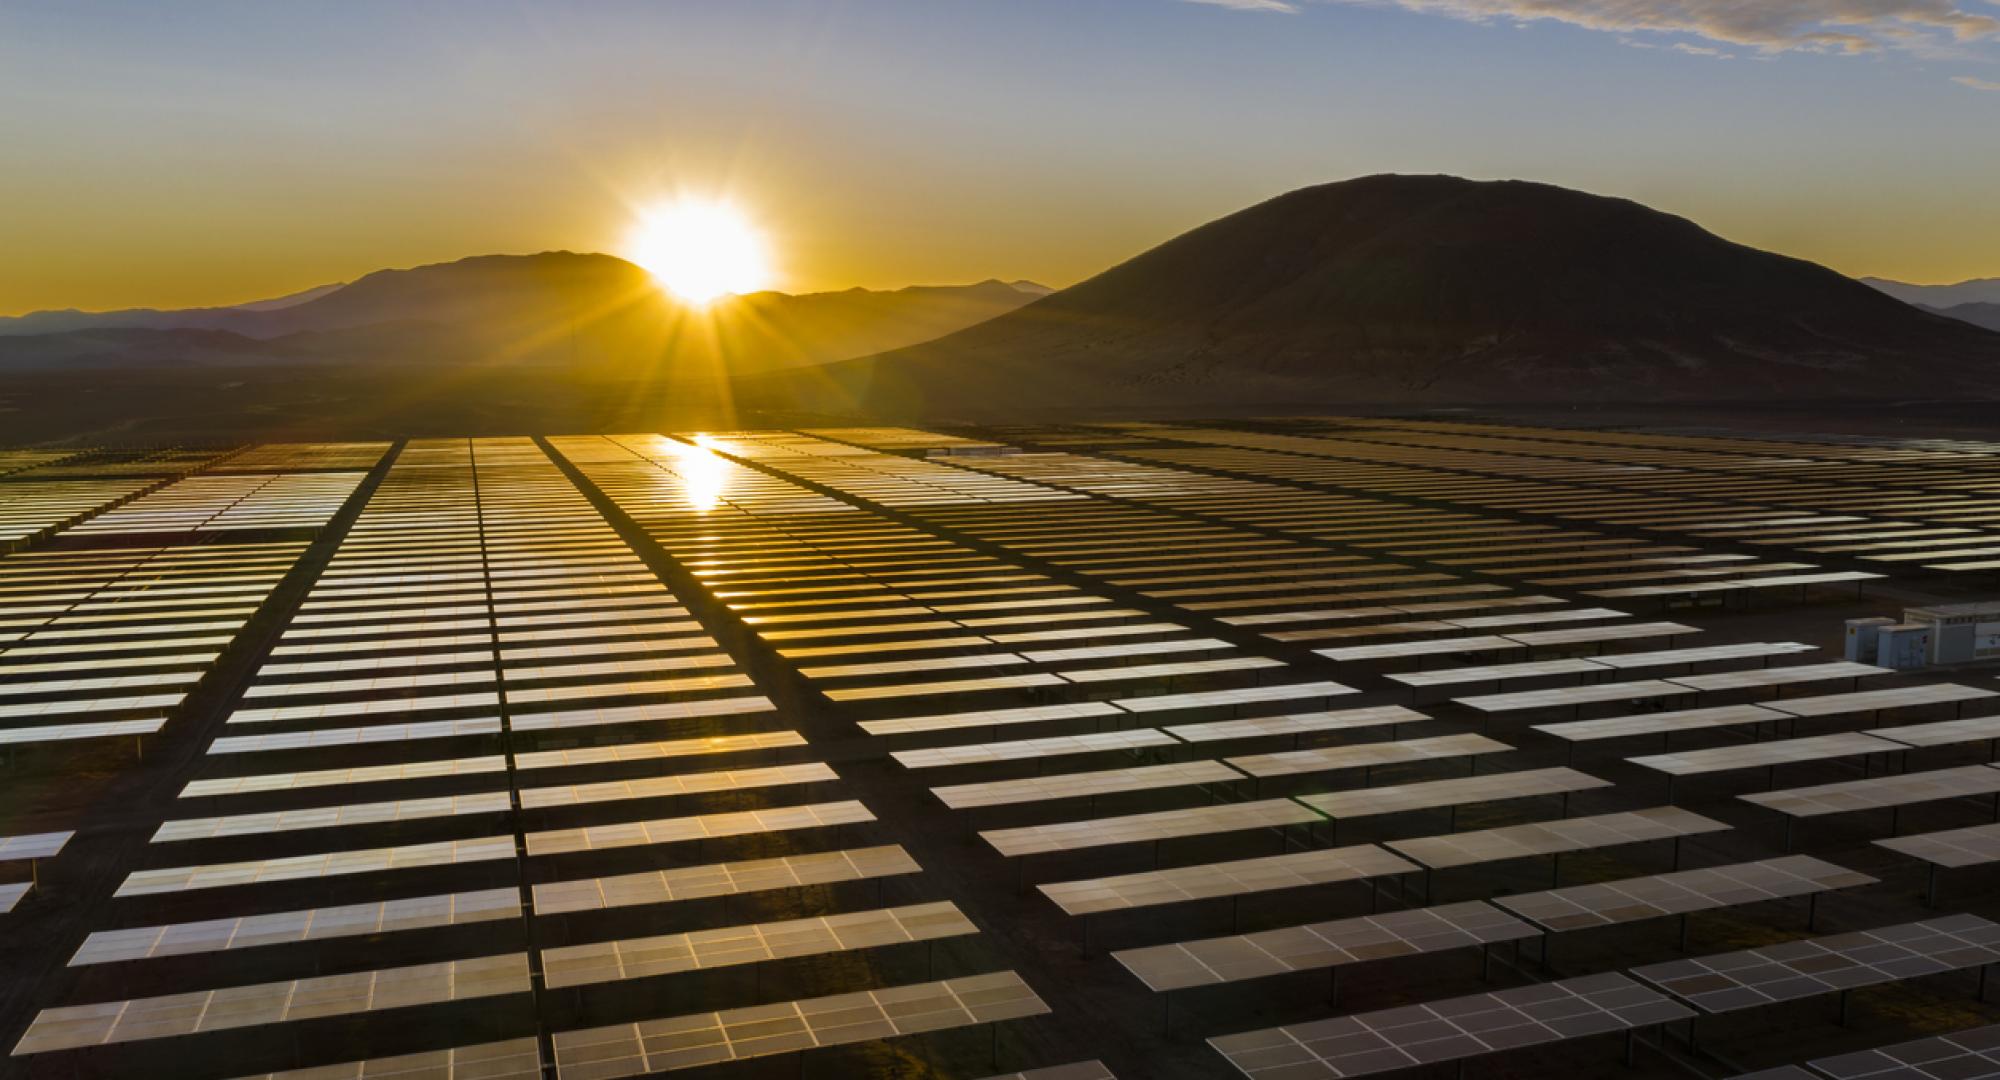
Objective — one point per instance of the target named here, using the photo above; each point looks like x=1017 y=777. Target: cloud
x=1768 y=26
x=1977 y=84
x=1280 y=6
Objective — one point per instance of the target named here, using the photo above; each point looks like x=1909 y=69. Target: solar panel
x=1170 y=670
x=1962 y=1054
x=1130 y=649
x=373 y=774
x=686 y=1042
x=1407 y=649
x=1530 y=669
x=1296 y=724
x=1374 y=608
x=697 y=827
x=1876 y=700
x=327 y=817
x=1253 y=695
x=1943 y=732
x=273 y=1003
x=1141 y=828
x=380 y=684
x=308 y=867
x=315 y=924
x=1751 y=977
x=660 y=751
x=1318 y=945
x=678 y=784
x=937 y=757
x=1432 y=794
x=1974 y=845
x=152 y=703
x=1879 y=792
x=374 y=734
x=1620 y=727
x=11 y=894
x=1041 y=789
x=1590 y=635
x=638 y=958
x=1565 y=697
x=1366 y=755
x=35 y=846
x=1632 y=899
x=944 y=686
x=902 y=667
x=570 y=719
x=1554 y=837
x=1449 y=1030
x=1779 y=676
x=989 y=718
x=721 y=879
x=1766 y=754
x=1701 y=655
x=1086 y=633
x=1353 y=633
x=482 y=702
x=26 y=688
x=1487 y=622
x=1211 y=880
x=1775 y=582
x=633 y=688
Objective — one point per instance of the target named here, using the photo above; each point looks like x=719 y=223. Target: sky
x=182 y=154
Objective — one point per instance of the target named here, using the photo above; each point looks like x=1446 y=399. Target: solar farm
x=1289 y=749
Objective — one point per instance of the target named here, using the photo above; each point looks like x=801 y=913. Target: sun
x=699 y=251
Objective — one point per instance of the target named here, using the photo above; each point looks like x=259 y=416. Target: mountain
x=291 y=299
x=1976 y=291
x=580 y=311
x=1391 y=289
x=214 y=318
x=1986 y=315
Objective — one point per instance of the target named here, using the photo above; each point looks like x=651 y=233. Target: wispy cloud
x=1281 y=7
x=1692 y=49
x=1767 y=26
x=1977 y=83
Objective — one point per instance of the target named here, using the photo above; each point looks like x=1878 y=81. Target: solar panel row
x=493 y=754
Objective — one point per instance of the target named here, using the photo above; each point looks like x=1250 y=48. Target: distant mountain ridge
x=1391 y=289
x=1986 y=315
x=1974 y=291
x=290 y=299
x=1976 y=301
x=583 y=310
x=66 y=320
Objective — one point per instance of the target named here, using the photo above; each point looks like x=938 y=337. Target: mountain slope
x=1986 y=315
x=579 y=311
x=290 y=299
x=1424 y=289
x=1975 y=291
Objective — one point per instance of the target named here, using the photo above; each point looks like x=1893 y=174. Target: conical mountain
x=1427 y=289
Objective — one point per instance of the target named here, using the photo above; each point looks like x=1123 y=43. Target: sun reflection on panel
x=704 y=474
